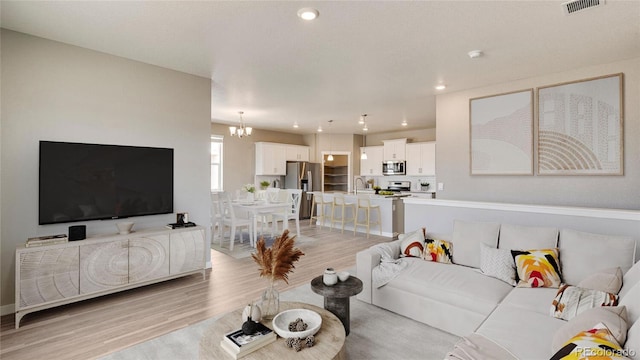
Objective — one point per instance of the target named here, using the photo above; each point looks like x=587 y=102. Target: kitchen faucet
x=355 y=184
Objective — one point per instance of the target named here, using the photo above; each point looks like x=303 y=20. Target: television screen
x=80 y=182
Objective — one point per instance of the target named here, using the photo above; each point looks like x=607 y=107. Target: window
x=216 y=162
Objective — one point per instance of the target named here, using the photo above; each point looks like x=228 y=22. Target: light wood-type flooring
x=96 y=327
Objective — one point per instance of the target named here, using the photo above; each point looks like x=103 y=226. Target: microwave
x=394 y=167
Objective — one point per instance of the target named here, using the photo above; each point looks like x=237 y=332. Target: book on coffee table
x=237 y=344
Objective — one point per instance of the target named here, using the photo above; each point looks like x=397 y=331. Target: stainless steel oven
x=394 y=168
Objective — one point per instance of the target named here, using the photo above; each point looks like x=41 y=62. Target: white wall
x=53 y=91
x=452 y=151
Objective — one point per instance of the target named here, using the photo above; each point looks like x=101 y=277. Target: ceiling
x=382 y=58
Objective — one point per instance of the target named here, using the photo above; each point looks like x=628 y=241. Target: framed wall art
x=501 y=134
x=580 y=127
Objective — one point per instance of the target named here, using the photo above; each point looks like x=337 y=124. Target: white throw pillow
x=613 y=317
x=608 y=280
x=582 y=254
x=516 y=237
x=412 y=244
x=632 y=301
x=498 y=263
x=467 y=237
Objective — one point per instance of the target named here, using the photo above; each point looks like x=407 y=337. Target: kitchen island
x=391 y=213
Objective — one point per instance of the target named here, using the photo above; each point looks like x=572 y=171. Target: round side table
x=336 y=297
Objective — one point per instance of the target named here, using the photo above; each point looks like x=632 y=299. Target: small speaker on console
x=77 y=232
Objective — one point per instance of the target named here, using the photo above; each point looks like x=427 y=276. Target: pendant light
x=330 y=157
x=363 y=118
x=242 y=130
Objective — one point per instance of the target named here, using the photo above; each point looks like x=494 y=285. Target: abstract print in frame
x=501 y=134
x=580 y=127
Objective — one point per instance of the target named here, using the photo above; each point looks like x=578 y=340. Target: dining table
x=262 y=207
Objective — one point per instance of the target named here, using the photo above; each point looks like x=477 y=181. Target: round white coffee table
x=329 y=341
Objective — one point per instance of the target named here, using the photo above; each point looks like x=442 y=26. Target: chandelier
x=242 y=130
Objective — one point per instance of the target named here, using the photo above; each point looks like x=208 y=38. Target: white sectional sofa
x=460 y=299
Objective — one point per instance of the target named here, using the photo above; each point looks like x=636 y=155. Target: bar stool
x=339 y=203
x=364 y=203
x=318 y=204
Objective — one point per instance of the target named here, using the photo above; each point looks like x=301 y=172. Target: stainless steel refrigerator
x=307 y=177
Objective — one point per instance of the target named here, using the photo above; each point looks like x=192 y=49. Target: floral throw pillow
x=572 y=300
x=537 y=268
x=413 y=243
x=596 y=343
x=437 y=250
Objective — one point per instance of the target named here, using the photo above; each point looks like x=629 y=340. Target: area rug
x=375 y=334
x=243 y=249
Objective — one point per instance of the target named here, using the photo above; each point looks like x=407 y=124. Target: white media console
x=54 y=275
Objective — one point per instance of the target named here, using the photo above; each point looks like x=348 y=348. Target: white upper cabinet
x=394 y=149
x=421 y=158
x=271 y=159
x=372 y=165
x=297 y=153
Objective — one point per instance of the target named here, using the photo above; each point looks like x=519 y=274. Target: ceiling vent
x=572 y=7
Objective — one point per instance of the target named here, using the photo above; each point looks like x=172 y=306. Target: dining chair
x=269 y=195
x=293 y=197
x=217 y=216
x=234 y=222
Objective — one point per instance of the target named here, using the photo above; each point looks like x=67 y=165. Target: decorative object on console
x=124 y=227
x=47 y=240
x=275 y=263
x=330 y=277
x=537 y=268
x=437 y=250
x=413 y=243
x=77 y=232
x=572 y=300
x=182 y=217
x=597 y=341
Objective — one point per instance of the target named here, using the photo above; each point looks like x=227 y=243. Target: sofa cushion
x=581 y=254
x=608 y=280
x=632 y=301
x=537 y=268
x=413 y=243
x=596 y=341
x=633 y=341
x=531 y=299
x=437 y=250
x=613 y=317
x=516 y=237
x=526 y=334
x=466 y=238
x=572 y=300
x=497 y=263
x=630 y=279
x=458 y=286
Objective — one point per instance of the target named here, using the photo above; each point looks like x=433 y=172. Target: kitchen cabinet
x=296 y=153
x=372 y=165
x=271 y=159
x=421 y=158
x=394 y=149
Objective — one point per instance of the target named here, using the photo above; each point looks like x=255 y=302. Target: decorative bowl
x=282 y=320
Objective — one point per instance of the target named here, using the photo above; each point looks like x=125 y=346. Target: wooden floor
x=97 y=327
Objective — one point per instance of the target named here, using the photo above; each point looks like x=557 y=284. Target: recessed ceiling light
x=319 y=128
x=308 y=13
x=441 y=87
x=365 y=128
x=475 y=54
x=295 y=125
x=404 y=123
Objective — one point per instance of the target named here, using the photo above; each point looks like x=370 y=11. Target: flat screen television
x=81 y=182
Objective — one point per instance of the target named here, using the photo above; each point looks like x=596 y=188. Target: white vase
x=330 y=277
x=250 y=196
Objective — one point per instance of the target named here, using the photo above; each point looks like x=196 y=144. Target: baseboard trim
x=7 y=309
